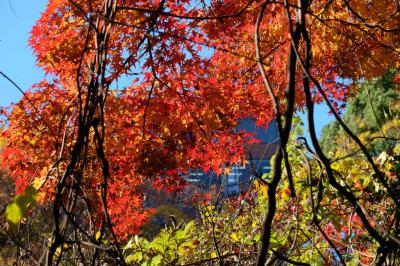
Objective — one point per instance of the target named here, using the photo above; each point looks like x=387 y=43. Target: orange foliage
x=188 y=81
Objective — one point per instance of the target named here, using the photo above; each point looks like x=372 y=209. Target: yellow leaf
x=97 y=235
x=234 y=237
x=227 y=171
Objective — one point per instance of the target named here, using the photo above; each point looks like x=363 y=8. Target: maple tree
x=138 y=90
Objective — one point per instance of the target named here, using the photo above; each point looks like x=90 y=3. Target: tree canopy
x=147 y=90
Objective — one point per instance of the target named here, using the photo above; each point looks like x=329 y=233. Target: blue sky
x=322 y=118
x=17 y=60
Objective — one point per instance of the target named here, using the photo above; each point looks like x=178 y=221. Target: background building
x=240 y=176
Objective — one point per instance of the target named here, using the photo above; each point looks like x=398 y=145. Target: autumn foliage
x=158 y=126
x=147 y=90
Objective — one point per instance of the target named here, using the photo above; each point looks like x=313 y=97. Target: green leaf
x=266 y=176
x=155 y=261
x=180 y=234
x=157 y=247
x=135 y=257
x=273 y=240
x=257 y=237
x=18 y=209
x=189 y=226
x=13 y=213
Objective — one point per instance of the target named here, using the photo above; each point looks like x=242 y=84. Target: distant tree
x=373 y=114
